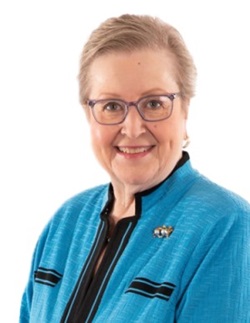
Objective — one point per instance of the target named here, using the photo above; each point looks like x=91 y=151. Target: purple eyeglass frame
x=171 y=96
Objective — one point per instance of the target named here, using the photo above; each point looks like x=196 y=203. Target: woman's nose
x=133 y=125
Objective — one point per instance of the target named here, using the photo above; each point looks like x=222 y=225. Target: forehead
x=133 y=73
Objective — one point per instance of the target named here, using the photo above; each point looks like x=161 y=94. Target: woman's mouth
x=134 y=151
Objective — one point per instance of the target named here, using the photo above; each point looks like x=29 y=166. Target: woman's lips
x=139 y=151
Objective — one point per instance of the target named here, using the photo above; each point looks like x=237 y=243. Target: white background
x=44 y=141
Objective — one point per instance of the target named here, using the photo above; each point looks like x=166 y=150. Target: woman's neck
x=122 y=210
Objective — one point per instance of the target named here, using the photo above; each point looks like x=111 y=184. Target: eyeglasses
x=151 y=108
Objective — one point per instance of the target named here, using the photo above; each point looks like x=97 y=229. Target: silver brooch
x=163 y=232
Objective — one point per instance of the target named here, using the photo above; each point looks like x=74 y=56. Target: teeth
x=132 y=150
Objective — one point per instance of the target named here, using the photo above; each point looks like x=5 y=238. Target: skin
x=129 y=76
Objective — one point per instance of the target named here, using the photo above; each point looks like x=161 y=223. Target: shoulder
x=218 y=196
x=211 y=217
x=82 y=209
x=217 y=202
x=90 y=196
x=76 y=209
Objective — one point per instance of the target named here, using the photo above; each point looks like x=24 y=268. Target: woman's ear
x=186 y=141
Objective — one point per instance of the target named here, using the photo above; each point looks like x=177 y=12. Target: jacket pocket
x=151 y=289
x=47 y=276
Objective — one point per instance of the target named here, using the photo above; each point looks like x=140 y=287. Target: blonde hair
x=129 y=33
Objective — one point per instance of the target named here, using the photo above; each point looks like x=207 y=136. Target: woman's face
x=137 y=154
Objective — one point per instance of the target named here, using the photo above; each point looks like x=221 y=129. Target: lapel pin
x=163 y=232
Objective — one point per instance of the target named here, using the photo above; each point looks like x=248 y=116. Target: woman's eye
x=154 y=104
x=112 y=106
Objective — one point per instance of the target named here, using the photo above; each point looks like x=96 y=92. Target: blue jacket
x=183 y=257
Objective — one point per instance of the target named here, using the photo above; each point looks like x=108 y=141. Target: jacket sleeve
x=219 y=289
x=26 y=302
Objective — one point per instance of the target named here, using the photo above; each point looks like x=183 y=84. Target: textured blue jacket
x=199 y=273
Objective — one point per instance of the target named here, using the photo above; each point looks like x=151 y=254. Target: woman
x=160 y=243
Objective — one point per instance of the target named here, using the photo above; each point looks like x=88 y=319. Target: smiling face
x=137 y=154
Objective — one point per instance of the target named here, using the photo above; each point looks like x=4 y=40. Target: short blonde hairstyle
x=129 y=33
